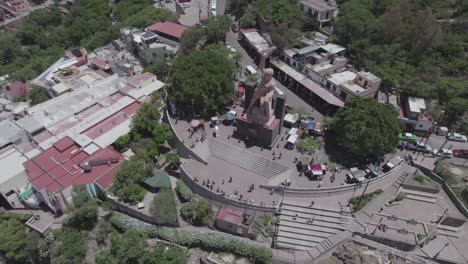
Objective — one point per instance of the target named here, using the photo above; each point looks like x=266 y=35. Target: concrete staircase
x=449 y=231
x=420 y=196
x=297 y=232
x=246 y=159
x=399 y=182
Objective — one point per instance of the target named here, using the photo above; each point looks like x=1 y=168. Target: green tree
x=68 y=247
x=160 y=68
x=149 y=15
x=9 y=48
x=238 y=8
x=37 y=95
x=366 y=129
x=16 y=243
x=161 y=133
x=165 y=255
x=203 y=78
x=202 y=212
x=83 y=211
x=215 y=29
x=173 y=159
x=131 y=175
x=146 y=119
x=126 y=248
x=191 y=39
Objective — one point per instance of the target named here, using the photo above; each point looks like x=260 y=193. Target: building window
x=288 y=61
x=294 y=64
x=334 y=88
x=281 y=57
x=328 y=85
x=307 y=71
x=343 y=95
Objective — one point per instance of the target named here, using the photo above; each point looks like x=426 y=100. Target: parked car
x=234 y=27
x=445 y=153
x=420 y=147
x=456 y=137
x=460 y=153
x=407 y=137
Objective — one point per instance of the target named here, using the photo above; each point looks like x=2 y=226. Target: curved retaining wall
x=331 y=190
x=448 y=190
x=218 y=199
x=182 y=150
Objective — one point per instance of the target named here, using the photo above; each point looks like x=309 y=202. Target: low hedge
x=209 y=240
x=20 y=217
x=164 y=208
x=183 y=191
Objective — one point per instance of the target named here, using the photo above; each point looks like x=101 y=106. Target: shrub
x=400 y=196
x=19 y=217
x=419 y=178
x=186 y=211
x=442 y=169
x=183 y=191
x=209 y=240
x=164 y=208
x=198 y=212
x=359 y=202
x=202 y=212
x=307 y=145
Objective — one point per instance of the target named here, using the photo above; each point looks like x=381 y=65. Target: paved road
x=292 y=99
x=221 y=6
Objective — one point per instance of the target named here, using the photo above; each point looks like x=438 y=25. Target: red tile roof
x=230 y=216
x=59 y=166
x=16 y=89
x=168 y=28
x=100 y=63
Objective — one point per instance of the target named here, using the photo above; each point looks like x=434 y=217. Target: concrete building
x=54 y=172
x=415 y=107
x=316 y=60
x=13 y=179
x=254 y=43
x=150 y=48
x=348 y=84
x=14 y=90
x=321 y=11
x=168 y=32
x=234 y=222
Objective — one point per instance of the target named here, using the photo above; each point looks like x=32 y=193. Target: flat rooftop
x=259 y=42
x=9 y=132
x=318 y=5
x=66 y=105
x=11 y=162
x=416 y=105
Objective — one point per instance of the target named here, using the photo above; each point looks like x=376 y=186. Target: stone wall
x=330 y=191
x=123 y=208
x=218 y=199
x=448 y=190
x=182 y=150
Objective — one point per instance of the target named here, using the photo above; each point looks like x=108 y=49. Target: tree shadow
x=339 y=155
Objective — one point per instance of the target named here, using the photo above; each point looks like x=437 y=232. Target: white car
x=456 y=137
x=445 y=153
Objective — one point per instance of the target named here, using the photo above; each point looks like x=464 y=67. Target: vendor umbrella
x=194 y=123
x=229 y=116
x=240 y=89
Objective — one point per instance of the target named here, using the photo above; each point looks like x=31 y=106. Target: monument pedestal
x=260 y=135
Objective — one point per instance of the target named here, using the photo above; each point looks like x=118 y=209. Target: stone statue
x=260 y=110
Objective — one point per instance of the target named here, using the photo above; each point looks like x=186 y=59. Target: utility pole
x=363 y=192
